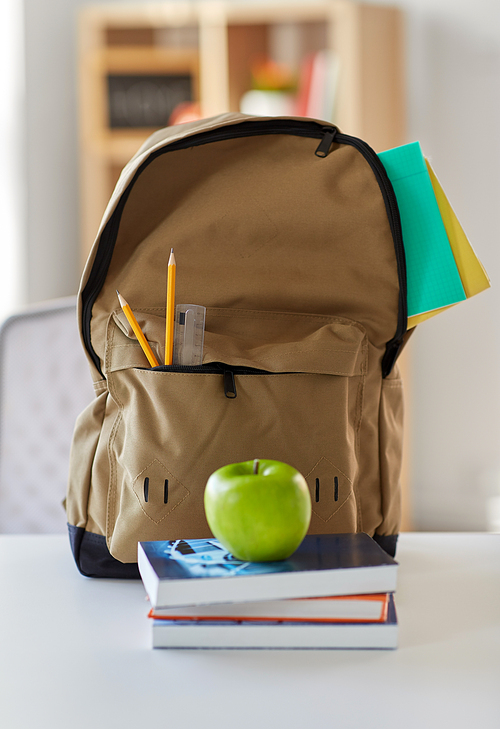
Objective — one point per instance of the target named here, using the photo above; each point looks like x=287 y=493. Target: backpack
x=288 y=232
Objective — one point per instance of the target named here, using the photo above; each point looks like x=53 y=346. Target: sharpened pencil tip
x=171 y=260
x=121 y=299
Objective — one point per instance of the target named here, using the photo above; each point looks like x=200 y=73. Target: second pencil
x=170 y=310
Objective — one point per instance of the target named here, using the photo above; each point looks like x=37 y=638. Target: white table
x=75 y=653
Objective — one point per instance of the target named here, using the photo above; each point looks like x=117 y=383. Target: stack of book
x=335 y=591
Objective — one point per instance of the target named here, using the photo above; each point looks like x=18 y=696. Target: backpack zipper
x=329 y=134
x=228 y=373
x=295 y=127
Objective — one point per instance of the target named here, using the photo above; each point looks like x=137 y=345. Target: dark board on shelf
x=145 y=100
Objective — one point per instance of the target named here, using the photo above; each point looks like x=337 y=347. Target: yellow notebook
x=472 y=274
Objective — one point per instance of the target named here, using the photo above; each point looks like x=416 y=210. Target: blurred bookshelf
x=139 y=62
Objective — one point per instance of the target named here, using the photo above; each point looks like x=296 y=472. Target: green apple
x=258 y=510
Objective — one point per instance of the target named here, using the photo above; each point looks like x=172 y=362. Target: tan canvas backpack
x=288 y=232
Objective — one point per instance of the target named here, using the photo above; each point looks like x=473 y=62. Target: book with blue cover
x=201 y=571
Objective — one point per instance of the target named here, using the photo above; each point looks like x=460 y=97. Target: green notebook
x=432 y=274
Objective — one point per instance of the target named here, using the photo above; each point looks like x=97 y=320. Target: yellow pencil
x=169 y=323
x=138 y=331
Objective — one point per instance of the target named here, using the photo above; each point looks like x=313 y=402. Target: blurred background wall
x=453 y=108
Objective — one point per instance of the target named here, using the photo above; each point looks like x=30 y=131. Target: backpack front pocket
x=287 y=387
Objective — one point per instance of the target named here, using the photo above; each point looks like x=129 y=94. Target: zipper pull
x=325 y=144
x=229 y=384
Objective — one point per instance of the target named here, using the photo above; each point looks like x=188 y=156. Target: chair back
x=44 y=384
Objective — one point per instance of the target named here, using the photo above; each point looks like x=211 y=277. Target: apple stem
x=256 y=466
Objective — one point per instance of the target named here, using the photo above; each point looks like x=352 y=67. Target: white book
x=367 y=608
x=203 y=634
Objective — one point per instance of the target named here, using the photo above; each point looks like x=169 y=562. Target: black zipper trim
x=213 y=368
x=295 y=127
x=394 y=345
x=228 y=373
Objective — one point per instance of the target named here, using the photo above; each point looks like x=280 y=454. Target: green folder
x=432 y=274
